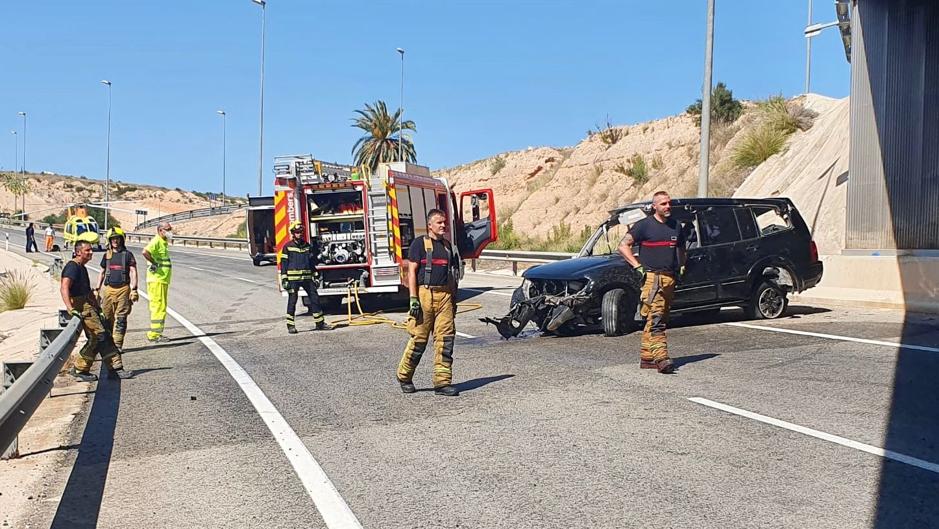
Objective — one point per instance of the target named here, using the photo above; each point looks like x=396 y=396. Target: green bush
x=498 y=163
x=786 y=116
x=560 y=239
x=758 y=145
x=638 y=170
x=241 y=232
x=15 y=290
x=54 y=219
x=724 y=108
x=608 y=134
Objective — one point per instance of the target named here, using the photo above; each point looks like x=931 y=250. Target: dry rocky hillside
x=544 y=189
x=49 y=194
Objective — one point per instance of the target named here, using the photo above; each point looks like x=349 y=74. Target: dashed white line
x=874 y=450
x=835 y=337
x=464 y=335
x=245 y=280
x=199 y=269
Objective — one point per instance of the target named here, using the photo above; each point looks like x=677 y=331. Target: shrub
x=608 y=134
x=758 y=145
x=657 y=162
x=241 y=232
x=724 y=108
x=637 y=169
x=788 y=117
x=498 y=163
x=15 y=290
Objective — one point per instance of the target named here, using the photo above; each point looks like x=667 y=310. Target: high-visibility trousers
x=97 y=338
x=158 y=292
x=50 y=241
x=438 y=305
x=116 y=305
x=657 y=294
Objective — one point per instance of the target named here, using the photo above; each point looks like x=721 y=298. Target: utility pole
x=808 y=53
x=401 y=111
x=107 y=177
x=224 y=134
x=263 y=4
x=706 y=106
x=24 y=142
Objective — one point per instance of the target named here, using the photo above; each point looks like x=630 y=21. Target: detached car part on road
x=749 y=253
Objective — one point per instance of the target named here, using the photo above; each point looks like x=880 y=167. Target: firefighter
x=117 y=285
x=297 y=266
x=159 y=273
x=433 y=270
x=661 y=261
x=75 y=289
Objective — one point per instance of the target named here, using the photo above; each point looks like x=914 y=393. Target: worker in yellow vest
x=159 y=272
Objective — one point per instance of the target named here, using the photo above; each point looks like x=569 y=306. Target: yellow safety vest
x=160 y=253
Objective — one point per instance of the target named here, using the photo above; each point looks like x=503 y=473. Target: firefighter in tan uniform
x=75 y=289
x=661 y=261
x=433 y=271
x=117 y=285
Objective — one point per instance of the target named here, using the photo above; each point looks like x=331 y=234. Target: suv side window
x=718 y=226
x=747 y=225
x=769 y=220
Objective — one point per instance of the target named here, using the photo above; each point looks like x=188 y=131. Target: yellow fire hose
x=376 y=318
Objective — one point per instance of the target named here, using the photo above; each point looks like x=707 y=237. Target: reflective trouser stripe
x=657 y=294
x=158 y=298
x=438 y=312
x=116 y=305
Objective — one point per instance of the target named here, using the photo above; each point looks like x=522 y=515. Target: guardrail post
x=12 y=371
x=64 y=317
x=514 y=268
x=46 y=336
x=473 y=265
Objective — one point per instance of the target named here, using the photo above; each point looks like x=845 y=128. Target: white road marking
x=874 y=450
x=464 y=335
x=199 y=269
x=334 y=510
x=487 y=291
x=245 y=280
x=835 y=337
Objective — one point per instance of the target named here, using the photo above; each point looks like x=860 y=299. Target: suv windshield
x=606 y=239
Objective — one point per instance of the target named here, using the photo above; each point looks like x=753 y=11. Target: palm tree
x=16 y=185
x=382 y=134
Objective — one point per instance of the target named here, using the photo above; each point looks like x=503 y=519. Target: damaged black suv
x=749 y=253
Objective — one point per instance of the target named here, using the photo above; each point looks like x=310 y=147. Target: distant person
x=31 y=239
x=661 y=261
x=159 y=273
x=117 y=284
x=50 y=238
x=75 y=289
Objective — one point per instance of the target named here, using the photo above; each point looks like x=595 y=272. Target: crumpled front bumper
x=547 y=312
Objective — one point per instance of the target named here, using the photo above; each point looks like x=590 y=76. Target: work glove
x=134 y=296
x=681 y=271
x=76 y=313
x=641 y=270
x=152 y=268
x=283 y=283
x=415 y=310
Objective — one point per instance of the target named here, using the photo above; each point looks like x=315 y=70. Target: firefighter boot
x=291 y=327
x=323 y=326
x=447 y=391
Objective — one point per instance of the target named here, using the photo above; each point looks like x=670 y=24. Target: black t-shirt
x=80 y=286
x=658 y=243
x=119 y=273
x=441 y=267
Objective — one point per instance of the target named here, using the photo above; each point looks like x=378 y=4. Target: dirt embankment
x=542 y=188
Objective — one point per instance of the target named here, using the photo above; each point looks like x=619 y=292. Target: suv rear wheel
x=767 y=302
x=617 y=312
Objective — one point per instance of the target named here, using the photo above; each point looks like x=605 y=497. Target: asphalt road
x=548 y=433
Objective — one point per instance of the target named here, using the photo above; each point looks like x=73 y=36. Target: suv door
x=719 y=235
x=697 y=287
x=746 y=253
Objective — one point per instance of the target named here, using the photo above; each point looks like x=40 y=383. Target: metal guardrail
x=187 y=240
x=20 y=401
x=191 y=214
x=521 y=256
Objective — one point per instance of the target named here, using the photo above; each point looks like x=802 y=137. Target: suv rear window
x=747 y=225
x=769 y=220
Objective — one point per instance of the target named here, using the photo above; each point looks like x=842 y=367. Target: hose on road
x=377 y=318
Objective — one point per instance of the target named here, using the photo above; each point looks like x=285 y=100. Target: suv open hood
x=569 y=269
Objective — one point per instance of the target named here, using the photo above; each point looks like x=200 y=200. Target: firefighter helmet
x=116 y=232
x=296 y=227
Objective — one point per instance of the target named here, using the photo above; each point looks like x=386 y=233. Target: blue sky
x=481 y=77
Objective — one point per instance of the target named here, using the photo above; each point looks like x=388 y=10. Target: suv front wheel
x=618 y=310
x=767 y=302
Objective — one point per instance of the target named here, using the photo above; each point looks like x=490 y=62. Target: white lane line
x=874 y=450
x=199 y=269
x=245 y=280
x=486 y=291
x=835 y=337
x=334 y=510
x=464 y=335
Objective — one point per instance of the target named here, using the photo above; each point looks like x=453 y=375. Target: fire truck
x=365 y=221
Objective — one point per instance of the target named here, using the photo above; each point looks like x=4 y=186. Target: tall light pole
x=263 y=4
x=808 y=52
x=107 y=177
x=401 y=110
x=224 y=134
x=16 y=162
x=705 y=157
x=24 y=139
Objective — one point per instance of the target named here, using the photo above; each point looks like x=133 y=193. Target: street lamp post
x=24 y=139
x=16 y=162
x=224 y=134
x=107 y=177
x=263 y=4
x=811 y=30
x=401 y=110
x=704 y=158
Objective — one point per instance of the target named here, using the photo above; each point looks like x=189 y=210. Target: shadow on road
x=476 y=383
x=690 y=359
x=81 y=500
